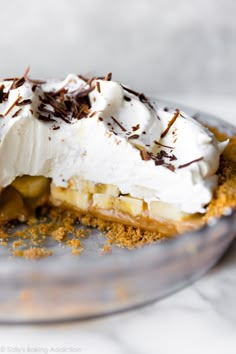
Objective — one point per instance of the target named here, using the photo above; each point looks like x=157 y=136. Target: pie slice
x=105 y=151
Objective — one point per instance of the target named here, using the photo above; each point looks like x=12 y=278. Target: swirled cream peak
x=104 y=132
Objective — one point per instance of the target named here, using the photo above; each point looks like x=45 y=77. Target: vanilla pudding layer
x=78 y=132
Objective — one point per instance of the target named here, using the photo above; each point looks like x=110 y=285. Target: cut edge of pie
x=104 y=207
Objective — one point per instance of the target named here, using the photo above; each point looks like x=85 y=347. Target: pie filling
x=21 y=199
x=26 y=193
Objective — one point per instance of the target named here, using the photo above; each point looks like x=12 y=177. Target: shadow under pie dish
x=109 y=157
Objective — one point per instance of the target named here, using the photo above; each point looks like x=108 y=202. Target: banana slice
x=103 y=201
x=31 y=186
x=124 y=204
x=92 y=187
x=11 y=205
x=129 y=205
x=78 y=199
x=165 y=210
x=109 y=189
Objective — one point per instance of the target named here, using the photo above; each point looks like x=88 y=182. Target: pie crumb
x=36 y=253
x=106 y=249
x=17 y=243
x=59 y=234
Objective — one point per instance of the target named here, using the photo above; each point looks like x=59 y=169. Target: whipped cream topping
x=104 y=132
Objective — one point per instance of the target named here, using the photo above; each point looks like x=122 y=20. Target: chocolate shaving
x=166 y=146
x=170 y=166
x=84 y=93
x=108 y=77
x=136 y=127
x=173 y=157
x=190 y=162
x=98 y=86
x=18 y=82
x=56 y=104
x=159 y=162
x=42 y=108
x=65 y=119
x=83 y=78
x=171 y=122
x=23 y=103
x=17 y=113
x=158 y=159
x=119 y=125
x=89 y=82
x=34 y=87
x=13 y=105
x=55 y=128
x=105 y=78
x=59 y=107
x=92 y=114
x=145 y=155
x=1 y=93
x=135 y=93
x=141 y=96
x=81 y=110
x=144 y=99
x=12 y=84
x=46 y=118
x=26 y=73
x=134 y=136
x=9 y=79
x=69 y=104
x=61 y=90
x=162 y=154
x=126 y=98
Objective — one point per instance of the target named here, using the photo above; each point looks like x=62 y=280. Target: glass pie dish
x=66 y=287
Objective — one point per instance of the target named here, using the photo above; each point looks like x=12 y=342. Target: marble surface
x=199 y=319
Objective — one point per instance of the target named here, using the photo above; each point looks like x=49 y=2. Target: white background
x=158 y=46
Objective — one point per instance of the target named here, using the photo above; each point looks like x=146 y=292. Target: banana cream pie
x=101 y=149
